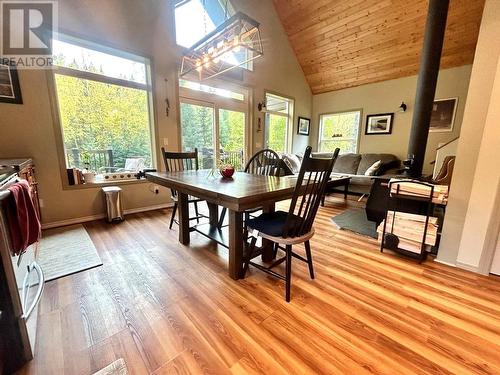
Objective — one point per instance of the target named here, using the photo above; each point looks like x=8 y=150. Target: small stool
x=114 y=208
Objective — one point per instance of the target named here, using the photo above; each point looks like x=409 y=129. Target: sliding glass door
x=215 y=123
x=231 y=131
x=197 y=131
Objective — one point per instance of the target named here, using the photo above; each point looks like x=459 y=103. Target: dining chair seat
x=288 y=240
x=272 y=223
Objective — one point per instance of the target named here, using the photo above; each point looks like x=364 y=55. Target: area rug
x=66 y=250
x=118 y=367
x=354 y=220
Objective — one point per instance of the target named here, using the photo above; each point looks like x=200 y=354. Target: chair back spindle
x=180 y=161
x=311 y=184
x=264 y=162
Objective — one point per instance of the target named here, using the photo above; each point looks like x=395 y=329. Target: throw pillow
x=374 y=168
x=292 y=162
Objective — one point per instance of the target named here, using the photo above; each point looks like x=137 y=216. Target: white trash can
x=113 y=199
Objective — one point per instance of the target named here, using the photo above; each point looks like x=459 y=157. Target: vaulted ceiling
x=347 y=43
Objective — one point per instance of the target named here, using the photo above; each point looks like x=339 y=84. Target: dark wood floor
x=166 y=308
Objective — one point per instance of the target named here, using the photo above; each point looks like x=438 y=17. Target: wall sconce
x=402 y=107
x=261 y=106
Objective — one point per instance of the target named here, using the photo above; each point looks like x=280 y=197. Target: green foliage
x=197 y=124
x=100 y=116
x=345 y=127
x=276 y=132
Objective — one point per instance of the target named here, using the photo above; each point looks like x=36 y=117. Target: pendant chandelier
x=233 y=44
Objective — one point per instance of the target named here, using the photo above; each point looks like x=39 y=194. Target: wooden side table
x=334 y=183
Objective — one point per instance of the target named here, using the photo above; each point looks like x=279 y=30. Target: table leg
x=235 y=244
x=183 y=208
x=213 y=214
x=267 y=246
x=346 y=190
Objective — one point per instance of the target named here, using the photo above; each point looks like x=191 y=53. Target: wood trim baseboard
x=148 y=208
x=84 y=219
x=445 y=263
x=468 y=267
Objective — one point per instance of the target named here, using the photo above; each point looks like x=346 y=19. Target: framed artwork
x=379 y=124
x=304 y=126
x=443 y=115
x=10 y=91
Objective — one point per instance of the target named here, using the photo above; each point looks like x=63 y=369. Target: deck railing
x=206 y=158
x=93 y=160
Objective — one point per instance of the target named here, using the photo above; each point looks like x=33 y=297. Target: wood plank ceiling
x=347 y=43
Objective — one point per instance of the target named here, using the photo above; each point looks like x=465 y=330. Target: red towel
x=25 y=228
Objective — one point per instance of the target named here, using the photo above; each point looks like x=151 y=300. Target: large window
x=194 y=19
x=214 y=120
x=339 y=130
x=104 y=100
x=279 y=115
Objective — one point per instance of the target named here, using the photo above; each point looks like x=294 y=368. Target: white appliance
x=21 y=287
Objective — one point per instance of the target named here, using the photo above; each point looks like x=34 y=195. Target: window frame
x=320 y=126
x=55 y=109
x=290 y=116
x=196 y=97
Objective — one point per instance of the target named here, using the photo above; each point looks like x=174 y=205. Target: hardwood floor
x=166 y=308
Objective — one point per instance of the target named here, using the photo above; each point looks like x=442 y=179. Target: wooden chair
x=264 y=162
x=182 y=161
x=295 y=226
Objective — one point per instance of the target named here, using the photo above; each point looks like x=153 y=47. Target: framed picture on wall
x=443 y=115
x=304 y=126
x=10 y=91
x=379 y=124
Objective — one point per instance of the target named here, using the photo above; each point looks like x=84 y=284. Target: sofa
x=352 y=165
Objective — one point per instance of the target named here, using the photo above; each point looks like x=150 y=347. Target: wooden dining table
x=241 y=192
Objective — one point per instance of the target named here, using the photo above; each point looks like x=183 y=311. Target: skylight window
x=194 y=19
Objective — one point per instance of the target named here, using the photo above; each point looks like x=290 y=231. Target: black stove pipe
x=426 y=84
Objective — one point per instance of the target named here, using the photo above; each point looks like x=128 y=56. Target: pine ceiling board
x=307 y=21
x=381 y=68
x=379 y=23
x=340 y=80
x=410 y=41
x=351 y=17
x=346 y=43
x=402 y=35
x=403 y=64
x=357 y=80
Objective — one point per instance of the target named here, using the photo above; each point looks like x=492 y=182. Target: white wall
x=484 y=70
x=384 y=97
x=482 y=220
